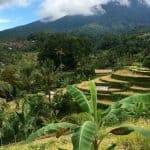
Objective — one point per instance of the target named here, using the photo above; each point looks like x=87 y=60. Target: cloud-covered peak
x=55 y=9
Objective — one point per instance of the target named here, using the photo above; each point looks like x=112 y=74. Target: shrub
x=146 y=62
x=64 y=105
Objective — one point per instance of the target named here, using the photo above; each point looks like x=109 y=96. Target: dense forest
x=48 y=62
x=46 y=55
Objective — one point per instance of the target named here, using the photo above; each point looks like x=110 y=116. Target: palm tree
x=60 y=53
x=26 y=75
x=6 y=90
x=25 y=119
x=48 y=72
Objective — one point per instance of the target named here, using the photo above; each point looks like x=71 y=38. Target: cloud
x=55 y=9
x=9 y=3
x=147 y=2
x=2 y=21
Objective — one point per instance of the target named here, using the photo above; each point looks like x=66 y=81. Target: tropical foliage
x=89 y=135
x=34 y=73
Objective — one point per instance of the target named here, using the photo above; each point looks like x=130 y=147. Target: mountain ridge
x=118 y=18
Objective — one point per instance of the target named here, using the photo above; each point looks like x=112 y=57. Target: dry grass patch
x=109 y=79
x=51 y=143
x=128 y=93
x=133 y=141
x=129 y=73
x=103 y=71
x=140 y=89
x=105 y=102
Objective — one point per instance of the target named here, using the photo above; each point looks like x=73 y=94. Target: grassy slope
x=129 y=142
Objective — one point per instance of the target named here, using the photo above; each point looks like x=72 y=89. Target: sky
x=19 y=12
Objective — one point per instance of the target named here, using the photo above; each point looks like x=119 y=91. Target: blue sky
x=19 y=12
x=15 y=15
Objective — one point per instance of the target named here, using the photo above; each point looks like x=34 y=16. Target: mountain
x=117 y=18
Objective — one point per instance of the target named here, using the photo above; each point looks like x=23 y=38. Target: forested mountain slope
x=117 y=18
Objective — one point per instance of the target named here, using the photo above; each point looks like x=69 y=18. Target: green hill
x=117 y=19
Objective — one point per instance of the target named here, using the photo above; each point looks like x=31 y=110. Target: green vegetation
x=34 y=75
x=146 y=62
x=117 y=19
x=64 y=50
x=90 y=134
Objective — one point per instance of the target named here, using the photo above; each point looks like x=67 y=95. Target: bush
x=146 y=62
x=64 y=105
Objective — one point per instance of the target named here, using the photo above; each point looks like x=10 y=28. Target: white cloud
x=2 y=21
x=9 y=3
x=55 y=9
x=146 y=2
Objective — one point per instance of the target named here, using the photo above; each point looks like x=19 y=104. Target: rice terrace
x=75 y=75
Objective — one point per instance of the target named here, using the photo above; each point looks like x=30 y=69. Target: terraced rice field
x=113 y=86
x=103 y=71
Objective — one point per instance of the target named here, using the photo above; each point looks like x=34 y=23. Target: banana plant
x=26 y=120
x=88 y=136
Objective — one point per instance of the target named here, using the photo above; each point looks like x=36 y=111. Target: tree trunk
x=1 y=142
x=49 y=89
x=49 y=96
x=15 y=137
x=95 y=145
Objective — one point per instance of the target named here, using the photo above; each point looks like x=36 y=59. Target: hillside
x=34 y=75
x=116 y=19
x=64 y=142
